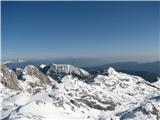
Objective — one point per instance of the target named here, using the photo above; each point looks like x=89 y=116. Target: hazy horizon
x=113 y=31
x=81 y=62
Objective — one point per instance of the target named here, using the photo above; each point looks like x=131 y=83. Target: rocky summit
x=60 y=91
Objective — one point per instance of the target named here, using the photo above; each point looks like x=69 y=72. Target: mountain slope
x=58 y=71
x=114 y=96
x=148 y=71
x=9 y=78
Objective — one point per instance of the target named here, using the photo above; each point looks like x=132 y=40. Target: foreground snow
x=116 y=96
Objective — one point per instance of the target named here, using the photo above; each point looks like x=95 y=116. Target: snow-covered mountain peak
x=42 y=66
x=32 y=78
x=68 y=69
x=112 y=71
x=9 y=78
x=30 y=67
x=114 y=96
x=113 y=74
x=157 y=83
x=58 y=71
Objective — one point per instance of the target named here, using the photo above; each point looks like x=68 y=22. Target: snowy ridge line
x=116 y=96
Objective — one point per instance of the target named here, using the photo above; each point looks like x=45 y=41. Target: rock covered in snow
x=149 y=110
x=9 y=78
x=33 y=71
x=114 y=96
x=33 y=79
x=157 y=83
x=58 y=71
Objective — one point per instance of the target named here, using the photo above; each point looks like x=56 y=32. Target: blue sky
x=45 y=30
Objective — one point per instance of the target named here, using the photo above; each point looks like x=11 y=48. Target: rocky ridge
x=114 y=96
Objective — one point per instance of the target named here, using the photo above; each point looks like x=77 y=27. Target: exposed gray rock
x=9 y=78
x=58 y=71
x=33 y=71
x=19 y=73
x=110 y=106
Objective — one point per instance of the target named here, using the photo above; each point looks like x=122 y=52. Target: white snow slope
x=118 y=96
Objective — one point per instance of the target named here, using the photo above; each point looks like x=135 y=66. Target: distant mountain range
x=149 y=71
x=153 y=67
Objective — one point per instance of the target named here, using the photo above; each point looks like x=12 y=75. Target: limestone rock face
x=9 y=78
x=58 y=71
x=33 y=71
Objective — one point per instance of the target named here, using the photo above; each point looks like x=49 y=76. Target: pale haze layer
x=119 y=31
